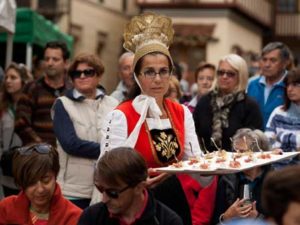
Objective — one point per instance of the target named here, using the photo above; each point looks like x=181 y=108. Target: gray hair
x=124 y=56
x=252 y=136
x=284 y=50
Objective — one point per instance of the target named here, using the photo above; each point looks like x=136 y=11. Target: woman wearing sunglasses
x=283 y=127
x=227 y=108
x=16 y=75
x=40 y=201
x=77 y=119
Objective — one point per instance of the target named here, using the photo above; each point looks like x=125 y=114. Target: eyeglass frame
x=111 y=193
x=230 y=74
x=27 y=150
x=153 y=76
x=75 y=74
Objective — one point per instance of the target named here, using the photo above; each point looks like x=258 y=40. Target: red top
x=201 y=200
x=144 y=143
x=15 y=210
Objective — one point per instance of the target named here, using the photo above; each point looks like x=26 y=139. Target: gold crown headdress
x=148 y=33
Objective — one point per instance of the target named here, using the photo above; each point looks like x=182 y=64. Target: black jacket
x=155 y=213
x=230 y=188
x=243 y=114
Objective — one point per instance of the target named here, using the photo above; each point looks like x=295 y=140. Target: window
x=101 y=42
x=287 y=6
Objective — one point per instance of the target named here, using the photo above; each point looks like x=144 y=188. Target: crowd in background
x=66 y=120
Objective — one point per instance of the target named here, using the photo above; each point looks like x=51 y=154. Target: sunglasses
x=42 y=148
x=87 y=73
x=230 y=74
x=111 y=192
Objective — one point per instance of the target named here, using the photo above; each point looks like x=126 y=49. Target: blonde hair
x=240 y=65
x=175 y=82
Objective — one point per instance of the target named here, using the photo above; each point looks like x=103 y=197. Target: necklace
x=42 y=216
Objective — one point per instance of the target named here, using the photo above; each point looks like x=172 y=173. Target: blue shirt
x=267 y=100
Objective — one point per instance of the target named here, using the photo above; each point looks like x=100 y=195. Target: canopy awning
x=33 y=28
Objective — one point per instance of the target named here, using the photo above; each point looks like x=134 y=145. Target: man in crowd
x=268 y=89
x=33 y=122
x=120 y=176
x=126 y=76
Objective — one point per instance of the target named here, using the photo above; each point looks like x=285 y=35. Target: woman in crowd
x=35 y=169
x=77 y=121
x=225 y=109
x=232 y=201
x=160 y=129
x=283 y=127
x=174 y=91
x=204 y=77
x=16 y=75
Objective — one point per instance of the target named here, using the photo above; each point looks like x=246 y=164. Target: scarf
x=221 y=106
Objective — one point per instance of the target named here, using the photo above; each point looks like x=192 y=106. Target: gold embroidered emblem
x=166 y=144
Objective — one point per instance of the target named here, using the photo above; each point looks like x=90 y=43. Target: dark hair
x=122 y=164
x=59 y=45
x=135 y=89
x=284 y=50
x=293 y=76
x=6 y=98
x=280 y=188
x=203 y=66
x=30 y=168
x=90 y=60
x=177 y=71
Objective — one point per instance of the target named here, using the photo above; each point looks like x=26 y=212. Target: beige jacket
x=76 y=173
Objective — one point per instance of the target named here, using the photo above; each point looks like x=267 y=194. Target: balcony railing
x=257 y=8
x=260 y=10
x=288 y=24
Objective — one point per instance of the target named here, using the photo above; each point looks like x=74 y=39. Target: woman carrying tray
x=160 y=129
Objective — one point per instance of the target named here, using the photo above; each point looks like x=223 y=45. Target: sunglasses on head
x=42 y=148
x=87 y=73
x=230 y=74
x=112 y=193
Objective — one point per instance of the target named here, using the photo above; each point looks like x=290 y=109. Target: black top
x=243 y=114
x=155 y=213
x=230 y=188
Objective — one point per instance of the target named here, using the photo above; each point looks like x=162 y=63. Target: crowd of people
x=82 y=156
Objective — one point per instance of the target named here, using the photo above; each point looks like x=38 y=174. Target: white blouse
x=115 y=132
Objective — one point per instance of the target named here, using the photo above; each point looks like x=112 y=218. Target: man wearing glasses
x=120 y=176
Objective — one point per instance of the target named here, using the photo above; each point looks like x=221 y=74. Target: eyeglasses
x=151 y=73
x=111 y=192
x=42 y=148
x=230 y=74
x=87 y=73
